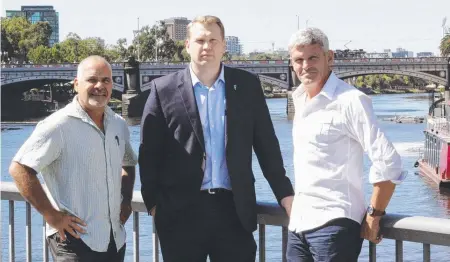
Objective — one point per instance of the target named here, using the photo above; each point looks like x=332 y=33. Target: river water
x=415 y=196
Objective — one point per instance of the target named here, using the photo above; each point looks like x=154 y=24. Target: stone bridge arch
x=274 y=81
x=117 y=80
x=421 y=75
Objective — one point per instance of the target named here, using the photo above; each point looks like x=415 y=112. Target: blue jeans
x=337 y=241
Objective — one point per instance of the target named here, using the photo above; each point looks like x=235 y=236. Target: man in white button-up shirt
x=84 y=155
x=334 y=125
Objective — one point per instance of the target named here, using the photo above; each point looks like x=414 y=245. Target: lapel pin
x=234 y=86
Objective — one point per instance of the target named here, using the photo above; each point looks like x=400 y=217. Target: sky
x=370 y=25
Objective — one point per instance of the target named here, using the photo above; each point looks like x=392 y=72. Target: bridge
x=276 y=72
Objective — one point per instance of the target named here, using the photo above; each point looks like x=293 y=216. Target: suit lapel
x=230 y=96
x=190 y=104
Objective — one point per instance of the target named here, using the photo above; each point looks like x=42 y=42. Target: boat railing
x=438 y=125
x=426 y=230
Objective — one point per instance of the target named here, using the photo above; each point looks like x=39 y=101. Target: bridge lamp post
x=158 y=42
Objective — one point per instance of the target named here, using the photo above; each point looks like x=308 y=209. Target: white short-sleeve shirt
x=82 y=167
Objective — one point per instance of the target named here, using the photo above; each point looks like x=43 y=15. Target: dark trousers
x=75 y=250
x=210 y=228
x=337 y=241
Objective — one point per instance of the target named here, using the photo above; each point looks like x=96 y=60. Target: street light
x=136 y=35
x=158 y=42
x=444 y=21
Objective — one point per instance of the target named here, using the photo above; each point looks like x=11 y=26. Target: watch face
x=370 y=210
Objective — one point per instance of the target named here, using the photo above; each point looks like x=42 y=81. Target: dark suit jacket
x=172 y=146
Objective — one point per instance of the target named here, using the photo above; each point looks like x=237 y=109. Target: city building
x=349 y=54
x=234 y=46
x=385 y=54
x=36 y=13
x=402 y=53
x=425 y=54
x=177 y=27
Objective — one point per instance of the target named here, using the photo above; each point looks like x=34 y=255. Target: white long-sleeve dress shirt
x=331 y=132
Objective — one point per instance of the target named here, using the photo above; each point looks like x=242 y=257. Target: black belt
x=213 y=191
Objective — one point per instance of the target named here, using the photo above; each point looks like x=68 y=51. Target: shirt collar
x=74 y=109
x=330 y=86
x=328 y=89
x=195 y=79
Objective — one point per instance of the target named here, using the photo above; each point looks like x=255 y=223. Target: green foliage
x=387 y=81
x=444 y=47
x=153 y=43
x=19 y=36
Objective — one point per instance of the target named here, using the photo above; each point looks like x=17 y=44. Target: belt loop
x=211 y=192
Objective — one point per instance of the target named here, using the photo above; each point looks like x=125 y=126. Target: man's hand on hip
x=370 y=229
x=63 y=221
x=287 y=204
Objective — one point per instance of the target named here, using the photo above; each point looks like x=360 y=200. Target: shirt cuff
x=396 y=179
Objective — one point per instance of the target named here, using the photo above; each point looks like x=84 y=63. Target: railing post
x=12 y=254
x=284 y=233
x=44 y=238
x=426 y=253
x=398 y=251
x=136 y=236
x=155 y=243
x=28 y=231
x=262 y=242
x=372 y=252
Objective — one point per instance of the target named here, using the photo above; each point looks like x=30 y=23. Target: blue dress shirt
x=211 y=104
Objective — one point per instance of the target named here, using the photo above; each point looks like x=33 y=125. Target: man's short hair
x=206 y=20
x=83 y=62
x=309 y=36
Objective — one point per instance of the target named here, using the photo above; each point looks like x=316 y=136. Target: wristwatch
x=373 y=212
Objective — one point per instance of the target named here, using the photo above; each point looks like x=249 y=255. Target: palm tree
x=445 y=45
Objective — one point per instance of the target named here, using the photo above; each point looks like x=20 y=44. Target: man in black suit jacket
x=198 y=129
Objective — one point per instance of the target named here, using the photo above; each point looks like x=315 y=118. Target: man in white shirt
x=334 y=125
x=84 y=155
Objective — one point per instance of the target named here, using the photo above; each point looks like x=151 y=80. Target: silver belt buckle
x=211 y=192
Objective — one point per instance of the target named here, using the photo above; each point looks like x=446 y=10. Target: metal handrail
x=426 y=230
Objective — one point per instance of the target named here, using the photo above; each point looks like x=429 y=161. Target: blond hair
x=206 y=20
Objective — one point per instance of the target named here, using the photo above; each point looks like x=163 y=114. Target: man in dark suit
x=199 y=126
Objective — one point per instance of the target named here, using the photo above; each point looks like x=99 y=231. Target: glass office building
x=36 y=14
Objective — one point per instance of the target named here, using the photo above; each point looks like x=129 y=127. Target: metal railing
x=438 y=125
x=426 y=230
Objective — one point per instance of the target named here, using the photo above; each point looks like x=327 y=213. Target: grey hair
x=88 y=59
x=309 y=36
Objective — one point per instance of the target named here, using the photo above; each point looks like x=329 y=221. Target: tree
x=40 y=55
x=7 y=50
x=226 y=56
x=444 y=47
x=118 y=52
x=154 y=43
x=181 y=53
x=19 y=36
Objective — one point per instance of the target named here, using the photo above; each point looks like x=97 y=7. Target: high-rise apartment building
x=177 y=27
x=234 y=46
x=38 y=13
